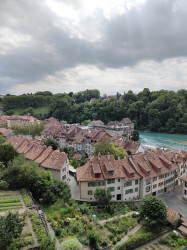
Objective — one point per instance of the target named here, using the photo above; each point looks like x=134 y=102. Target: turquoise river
x=162 y=140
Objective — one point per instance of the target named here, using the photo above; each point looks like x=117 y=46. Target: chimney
x=108 y=156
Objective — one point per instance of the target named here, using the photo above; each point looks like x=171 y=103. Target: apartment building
x=149 y=173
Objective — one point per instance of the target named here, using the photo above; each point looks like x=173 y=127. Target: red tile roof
x=5 y=132
x=108 y=168
x=184 y=178
x=15 y=141
x=34 y=151
x=44 y=155
x=77 y=156
x=55 y=160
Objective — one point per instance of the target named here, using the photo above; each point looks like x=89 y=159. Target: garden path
x=133 y=231
x=102 y=222
x=51 y=232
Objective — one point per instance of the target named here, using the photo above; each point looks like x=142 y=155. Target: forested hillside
x=158 y=111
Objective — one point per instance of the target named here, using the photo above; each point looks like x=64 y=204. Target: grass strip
x=11 y=204
x=13 y=200
x=9 y=208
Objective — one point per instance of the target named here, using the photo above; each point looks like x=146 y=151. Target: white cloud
x=170 y=74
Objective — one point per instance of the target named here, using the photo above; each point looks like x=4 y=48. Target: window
x=129 y=191
x=154 y=178
x=97 y=175
x=127 y=184
x=90 y=192
x=148 y=182
x=136 y=189
x=147 y=189
x=136 y=182
x=160 y=184
x=110 y=181
x=110 y=172
x=119 y=180
x=161 y=176
x=111 y=189
x=132 y=175
x=154 y=186
x=95 y=184
x=148 y=173
x=118 y=188
x=63 y=177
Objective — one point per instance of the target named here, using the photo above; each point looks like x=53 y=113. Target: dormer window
x=97 y=175
x=110 y=172
x=148 y=173
x=132 y=175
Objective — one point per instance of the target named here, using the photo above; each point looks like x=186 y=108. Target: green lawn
x=39 y=110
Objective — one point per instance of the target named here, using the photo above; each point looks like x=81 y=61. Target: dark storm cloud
x=156 y=31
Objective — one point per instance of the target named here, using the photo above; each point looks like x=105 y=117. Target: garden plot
x=10 y=200
x=14 y=202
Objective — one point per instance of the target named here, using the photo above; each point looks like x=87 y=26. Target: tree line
x=157 y=111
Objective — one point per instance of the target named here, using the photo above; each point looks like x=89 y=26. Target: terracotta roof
x=55 y=160
x=34 y=151
x=77 y=156
x=108 y=168
x=15 y=141
x=25 y=146
x=149 y=164
x=23 y=118
x=184 y=178
x=51 y=120
x=172 y=215
x=5 y=131
x=97 y=123
x=131 y=146
x=46 y=152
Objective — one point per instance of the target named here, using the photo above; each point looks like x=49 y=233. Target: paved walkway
x=133 y=231
x=102 y=222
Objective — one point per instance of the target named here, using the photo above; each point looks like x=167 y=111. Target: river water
x=163 y=140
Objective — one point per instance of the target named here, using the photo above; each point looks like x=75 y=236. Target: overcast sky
x=110 y=45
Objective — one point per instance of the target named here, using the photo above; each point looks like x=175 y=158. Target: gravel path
x=102 y=222
x=133 y=231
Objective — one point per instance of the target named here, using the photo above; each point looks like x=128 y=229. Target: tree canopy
x=158 y=111
x=71 y=244
x=7 y=153
x=153 y=212
x=106 y=147
x=103 y=197
x=50 y=142
x=11 y=227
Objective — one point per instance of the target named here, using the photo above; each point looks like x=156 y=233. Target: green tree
x=2 y=139
x=103 y=197
x=153 y=213
x=106 y=147
x=11 y=227
x=135 y=135
x=7 y=153
x=71 y=244
x=57 y=190
x=22 y=173
x=50 y=142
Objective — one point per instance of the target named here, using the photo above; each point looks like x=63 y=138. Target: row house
x=51 y=160
x=180 y=158
x=184 y=185
x=107 y=173
x=15 y=120
x=149 y=173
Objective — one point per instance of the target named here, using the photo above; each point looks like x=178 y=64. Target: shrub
x=72 y=244
x=3 y=185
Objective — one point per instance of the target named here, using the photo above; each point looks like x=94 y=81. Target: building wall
x=55 y=173
x=84 y=189
x=184 y=184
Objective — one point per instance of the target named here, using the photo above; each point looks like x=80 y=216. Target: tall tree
x=153 y=213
